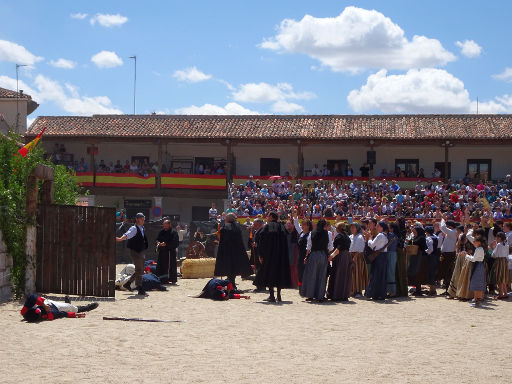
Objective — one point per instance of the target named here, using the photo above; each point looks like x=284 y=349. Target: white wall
x=248 y=157
x=5 y=272
x=8 y=109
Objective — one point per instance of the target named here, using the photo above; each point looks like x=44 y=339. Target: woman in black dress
x=417 y=270
x=303 y=229
x=341 y=271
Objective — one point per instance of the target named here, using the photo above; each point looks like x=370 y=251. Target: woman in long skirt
x=392 y=259
x=315 y=274
x=459 y=262
x=304 y=230
x=463 y=291
x=402 y=288
x=500 y=266
x=359 y=280
x=478 y=282
x=376 y=289
x=417 y=270
x=341 y=271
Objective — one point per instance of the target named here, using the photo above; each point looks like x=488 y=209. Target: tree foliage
x=14 y=172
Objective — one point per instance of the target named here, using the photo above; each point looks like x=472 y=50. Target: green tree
x=14 y=172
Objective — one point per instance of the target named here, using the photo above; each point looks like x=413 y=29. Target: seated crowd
x=377 y=198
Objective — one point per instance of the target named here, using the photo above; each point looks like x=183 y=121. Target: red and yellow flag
x=28 y=147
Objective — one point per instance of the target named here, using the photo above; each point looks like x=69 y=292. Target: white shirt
x=430 y=245
x=379 y=243
x=450 y=239
x=330 y=246
x=478 y=256
x=212 y=213
x=501 y=250
x=356 y=243
x=132 y=231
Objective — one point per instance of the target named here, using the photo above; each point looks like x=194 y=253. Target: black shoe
x=67 y=299
x=445 y=293
x=141 y=291
x=270 y=299
x=127 y=286
x=88 y=307
x=279 y=298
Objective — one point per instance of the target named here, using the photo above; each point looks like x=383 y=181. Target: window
x=203 y=164
x=440 y=166
x=409 y=166
x=133 y=207
x=479 y=169
x=337 y=167
x=270 y=166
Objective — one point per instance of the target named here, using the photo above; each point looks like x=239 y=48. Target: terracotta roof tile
x=262 y=127
x=8 y=94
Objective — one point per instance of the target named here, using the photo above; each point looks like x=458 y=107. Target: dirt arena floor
x=424 y=340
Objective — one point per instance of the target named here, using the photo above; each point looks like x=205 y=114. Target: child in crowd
x=477 y=283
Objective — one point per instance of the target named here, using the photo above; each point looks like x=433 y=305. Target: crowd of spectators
x=376 y=198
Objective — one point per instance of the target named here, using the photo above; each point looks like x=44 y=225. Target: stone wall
x=5 y=271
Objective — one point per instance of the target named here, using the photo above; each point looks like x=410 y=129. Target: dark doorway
x=200 y=213
x=337 y=167
x=479 y=169
x=270 y=166
x=133 y=207
x=203 y=163
x=440 y=166
x=409 y=166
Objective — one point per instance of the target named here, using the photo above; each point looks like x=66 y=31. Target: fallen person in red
x=37 y=308
x=217 y=289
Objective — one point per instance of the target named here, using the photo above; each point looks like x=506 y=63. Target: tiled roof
x=8 y=94
x=263 y=127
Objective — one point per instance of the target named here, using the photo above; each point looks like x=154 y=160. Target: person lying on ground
x=37 y=308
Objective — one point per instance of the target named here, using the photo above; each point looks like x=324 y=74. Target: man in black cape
x=273 y=250
x=167 y=242
x=232 y=257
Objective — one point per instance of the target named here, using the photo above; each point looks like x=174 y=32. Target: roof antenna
x=477 y=105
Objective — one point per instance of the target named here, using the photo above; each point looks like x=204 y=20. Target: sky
x=259 y=57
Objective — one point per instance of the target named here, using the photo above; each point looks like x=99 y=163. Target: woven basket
x=198 y=268
x=411 y=250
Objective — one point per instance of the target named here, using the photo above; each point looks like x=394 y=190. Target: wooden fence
x=76 y=250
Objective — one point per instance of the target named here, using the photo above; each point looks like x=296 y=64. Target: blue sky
x=236 y=57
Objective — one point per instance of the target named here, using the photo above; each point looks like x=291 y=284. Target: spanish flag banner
x=28 y=147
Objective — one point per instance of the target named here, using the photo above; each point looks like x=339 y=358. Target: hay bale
x=198 y=268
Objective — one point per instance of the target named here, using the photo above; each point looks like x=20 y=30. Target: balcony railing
x=215 y=182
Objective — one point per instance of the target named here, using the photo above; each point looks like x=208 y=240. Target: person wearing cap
x=137 y=244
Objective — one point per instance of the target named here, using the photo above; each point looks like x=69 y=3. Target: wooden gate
x=76 y=250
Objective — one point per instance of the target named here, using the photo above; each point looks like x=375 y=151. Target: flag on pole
x=28 y=147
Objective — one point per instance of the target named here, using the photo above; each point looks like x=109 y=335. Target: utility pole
x=134 y=57
x=18 y=97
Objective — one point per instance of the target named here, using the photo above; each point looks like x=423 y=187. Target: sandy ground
x=422 y=340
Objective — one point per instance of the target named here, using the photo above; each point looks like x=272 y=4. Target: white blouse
x=478 y=256
x=501 y=250
x=379 y=243
x=356 y=243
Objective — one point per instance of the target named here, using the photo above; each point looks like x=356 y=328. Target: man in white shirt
x=212 y=213
x=137 y=243
x=447 y=252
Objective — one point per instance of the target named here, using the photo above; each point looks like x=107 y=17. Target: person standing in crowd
x=167 y=243
x=376 y=289
x=477 y=283
x=500 y=250
x=359 y=280
x=212 y=213
x=304 y=229
x=341 y=271
x=137 y=244
x=254 y=242
x=392 y=258
x=273 y=250
x=402 y=288
x=292 y=238
x=432 y=259
x=417 y=270
x=315 y=273
x=447 y=262
x=232 y=259
x=459 y=262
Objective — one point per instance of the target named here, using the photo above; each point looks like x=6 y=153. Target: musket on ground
x=139 y=319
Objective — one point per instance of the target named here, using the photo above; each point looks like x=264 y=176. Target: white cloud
x=66 y=98
x=63 y=63
x=210 y=109
x=79 y=16
x=266 y=93
x=30 y=120
x=191 y=75
x=108 y=21
x=106 y=59
x=355 y=40
x=16 y=53
x=469 y=48
x=506 y=75
x=427 y=90
x=283 y=106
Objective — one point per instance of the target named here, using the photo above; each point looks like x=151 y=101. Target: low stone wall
x=5 y=271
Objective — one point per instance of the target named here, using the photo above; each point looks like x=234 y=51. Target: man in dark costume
x=273 y=249
x=254 y=246
x=232 y=257
x=217 y=289
x=167 y=242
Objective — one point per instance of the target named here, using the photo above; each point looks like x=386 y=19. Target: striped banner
x=185 y=181
x=125 y=180
x=84 y=179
